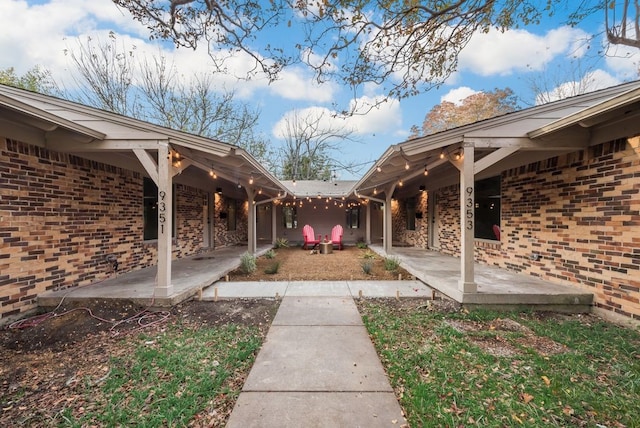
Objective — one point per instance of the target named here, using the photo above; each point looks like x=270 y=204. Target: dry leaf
x=546 y=380
x=526 y=398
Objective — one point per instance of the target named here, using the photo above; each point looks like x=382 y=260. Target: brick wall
x=62 y=215
x=415 y=238
x=222 y=235
x=579 y=212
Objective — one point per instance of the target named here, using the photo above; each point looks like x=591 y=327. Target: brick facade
x=572 y=219
x=63 y=217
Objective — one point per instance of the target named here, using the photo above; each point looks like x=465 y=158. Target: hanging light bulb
x=426 y=171
x=442 y=154
x=406 y=165
x=375 y=191
x=400 y=183
x=378 y=168
x=251 y=180
x=457 y=156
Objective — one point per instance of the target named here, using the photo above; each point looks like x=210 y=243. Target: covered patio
x=189 y=277
x=496 y=288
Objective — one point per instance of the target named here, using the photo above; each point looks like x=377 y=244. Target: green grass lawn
x=178 y=376
x=519 y=369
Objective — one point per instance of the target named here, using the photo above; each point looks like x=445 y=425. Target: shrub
x=248 y=263
x=362 y=245
x=367 y=266
x=369 y=255
x=282 y=243
x=391 y=263
x=270 y=254
x=273 y=268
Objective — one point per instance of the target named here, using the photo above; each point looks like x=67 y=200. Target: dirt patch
x=497 y=337
x=296 y=264
x=43 y=362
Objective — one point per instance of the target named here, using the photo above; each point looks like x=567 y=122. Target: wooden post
x=164 y=288
x=467 y=282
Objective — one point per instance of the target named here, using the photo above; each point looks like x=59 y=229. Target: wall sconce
x=219 y=190
x=422 y=188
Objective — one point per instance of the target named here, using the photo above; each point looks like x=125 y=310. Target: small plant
x=369 y=255
x=248 y=263
x=391 y=263
x=367 y=266
x=272 y=269
x=270 y=254
x=281 y=243
x=362 y=245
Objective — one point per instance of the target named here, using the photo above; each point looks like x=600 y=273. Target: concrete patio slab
x=317 y=409
x=308 y=311
x=318 y=288
x=317 y=358
x=389 y=289
x=245 y=290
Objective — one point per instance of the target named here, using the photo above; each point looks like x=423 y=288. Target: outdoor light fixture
x=422 y=188
x=239 y=185
x=426 y=171
x=378 y=168
x=294 y=181
x=442 y=154
x=251 y=180
x=219 y=190
x=457 y=156
x=406 y=165
x=375 y=191
x=400 y=183
x=213 y=174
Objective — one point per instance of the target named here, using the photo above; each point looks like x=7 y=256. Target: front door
x=263 y=223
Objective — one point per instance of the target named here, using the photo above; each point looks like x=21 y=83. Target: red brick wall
x=580 y=212
x=61 y=216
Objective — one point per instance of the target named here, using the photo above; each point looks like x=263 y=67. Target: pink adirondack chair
x=309 y=237
x=336 y=236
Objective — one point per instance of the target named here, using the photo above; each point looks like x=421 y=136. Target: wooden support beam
x=467 y=282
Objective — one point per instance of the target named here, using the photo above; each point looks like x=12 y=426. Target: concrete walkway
x=317 y=368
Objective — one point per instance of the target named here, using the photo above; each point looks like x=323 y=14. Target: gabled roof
x=313 y=188
x=502 y=142
x=111 y=138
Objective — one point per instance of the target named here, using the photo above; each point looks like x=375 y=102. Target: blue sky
x=38 y=33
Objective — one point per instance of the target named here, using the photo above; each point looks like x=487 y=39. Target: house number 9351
x=162 y=210
x=469 y=208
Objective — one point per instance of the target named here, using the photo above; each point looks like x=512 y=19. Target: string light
x=378 y=168
x=251 y=180
x=442 y=154
x=406 y=165
x=426 y=171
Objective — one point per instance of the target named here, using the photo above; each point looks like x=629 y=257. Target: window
x=488 y=205
x=353 y=218
x=411 y=213
x=150 y=211
x=290 y=217
x=232 y=208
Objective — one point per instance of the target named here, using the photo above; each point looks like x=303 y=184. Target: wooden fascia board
x=64 y=145
x=493 y=158
x=43 y=115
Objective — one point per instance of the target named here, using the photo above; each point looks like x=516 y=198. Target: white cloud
x=368 y=118
x=457 y=95
x=498 y=53
x=296 y=84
